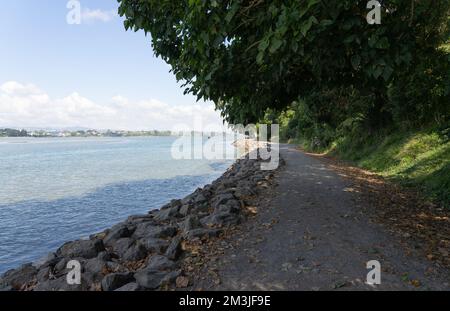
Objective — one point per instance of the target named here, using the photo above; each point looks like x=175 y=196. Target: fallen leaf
x=182 y=282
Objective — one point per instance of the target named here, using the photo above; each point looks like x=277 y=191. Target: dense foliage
x=249 y=56
x=7 y=132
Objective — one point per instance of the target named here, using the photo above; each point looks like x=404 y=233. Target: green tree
x=251 y=55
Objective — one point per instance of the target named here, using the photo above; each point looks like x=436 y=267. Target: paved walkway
x=313 y=234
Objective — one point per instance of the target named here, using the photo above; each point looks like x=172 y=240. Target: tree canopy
x=248 y=56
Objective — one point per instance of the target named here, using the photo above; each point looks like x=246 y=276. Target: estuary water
x=53 y=190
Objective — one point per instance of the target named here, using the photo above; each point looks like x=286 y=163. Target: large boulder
x=173 y=203
x=116 y=233
x=154 y=245
x=95 y=267
x=185 y=209
x=44 y=274
x=138 y=219
x=48 y=261
x=114 y=281
x=151 y=279
x=160 y=263
x=222 y=219
x=135 y=252
x=203 y=232
x=122 y=246
x=190 y=223
x=222 y=199
x=60 y=284
x=130 y=287
x=231 y=206
x=151 y=231
x=81 y=248
x=174 y=250
x=19 y=277
x=167 y=214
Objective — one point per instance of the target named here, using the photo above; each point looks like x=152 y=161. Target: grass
x=446 y=47
x=419 y=159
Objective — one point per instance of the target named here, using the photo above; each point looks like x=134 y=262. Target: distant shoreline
x=23 y=133
x=54 y=133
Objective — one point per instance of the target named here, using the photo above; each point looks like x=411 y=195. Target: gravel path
x=314 y=233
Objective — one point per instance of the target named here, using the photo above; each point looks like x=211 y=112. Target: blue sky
x=94 y=74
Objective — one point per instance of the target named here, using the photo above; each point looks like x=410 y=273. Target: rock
x=173 y=203
x=122 y=246
x=116 y=280
x=170 y=278
x=198 y=199
x=222 y=199
x=104 y=256
x=61 y=265
x=167 y=214
x=60 y=268
x=160 y=263
x=135 y=253
x=174 y=250
x=114 y=266
x=185 y=209
x=152 y=231
x=152 y=245
x=116 y=233
x=200 y=233
x=189 y=199
x=207 y=190
x=222 y=219
x=243 y=190
x=150 y=279
x=164 y=232
x=190 y=223
x=60 y=284
x=232 y=206
x=49 y=261
x=130 y=287
x=43 y=274
x=138 y=219
x=94 y=265
x=182 y=282
x=19 y=277
x=200 y=208
x=95 y=268
x=81 y=248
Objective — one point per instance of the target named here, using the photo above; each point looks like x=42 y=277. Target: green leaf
x=260 y=58
x=356 y=61
x=264 y=44
x=232 y=12
x=275 y=45
x=377 y=72
x=388 y=71
x=383 y=43
x=306 y=27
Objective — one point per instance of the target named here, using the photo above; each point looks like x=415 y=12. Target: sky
x=54 y=74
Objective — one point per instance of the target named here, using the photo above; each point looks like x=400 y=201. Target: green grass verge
x=419 y=159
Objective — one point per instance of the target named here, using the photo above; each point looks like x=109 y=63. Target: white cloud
x=12 y=87
x=97 y=15
x=25 y=105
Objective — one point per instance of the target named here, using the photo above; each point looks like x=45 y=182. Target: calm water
x=55 y=190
